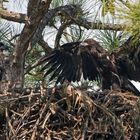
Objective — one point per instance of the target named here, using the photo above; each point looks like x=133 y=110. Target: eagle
x=88 y=60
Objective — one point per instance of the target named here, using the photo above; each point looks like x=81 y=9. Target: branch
x=17 y=66
x=98 y=25
x=44 y=45
x=81 y=22
x=22 y=18
x=39 y=61
x=48 y=17
x=12 y=16
x=35 y=64
x=60 y=32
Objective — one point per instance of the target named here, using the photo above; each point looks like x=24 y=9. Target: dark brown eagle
x=87 y=59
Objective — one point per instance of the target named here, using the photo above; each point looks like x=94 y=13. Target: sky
x=21 y=8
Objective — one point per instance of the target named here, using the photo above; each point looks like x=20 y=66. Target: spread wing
x=72 y=61
x=90 y=61
x=63 y=64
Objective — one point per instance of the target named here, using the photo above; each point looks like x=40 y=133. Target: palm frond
x=17 y=6
x=56 y=3
x=110 y=39
x=5 y=31
x=130 y=14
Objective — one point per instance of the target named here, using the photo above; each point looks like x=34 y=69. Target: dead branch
x=60 y=32
x=12 y=16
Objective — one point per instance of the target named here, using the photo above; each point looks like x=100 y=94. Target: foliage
x=5 y=31
x=108 y=6
x=130 y=14
x=34 y=77
x=110 y=40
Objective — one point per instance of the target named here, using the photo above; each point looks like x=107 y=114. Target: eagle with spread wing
x=88 y=60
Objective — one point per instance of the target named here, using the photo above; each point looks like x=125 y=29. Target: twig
x=38 y=121
x=9 y=124
x=22 y=97
x=45 y=120
x=18 y=114
x=85 y=129
x=44 y=45
x=24 y=115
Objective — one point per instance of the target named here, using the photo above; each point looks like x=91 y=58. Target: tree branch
x=22 y=18
x=12 y=16
x=46 y=48
x=65 y=10
x=44 y=45
x=60 y=32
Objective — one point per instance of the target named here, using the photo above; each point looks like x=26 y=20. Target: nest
x=70 y=114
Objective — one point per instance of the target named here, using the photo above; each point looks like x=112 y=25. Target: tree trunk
x=13 y=73
x=17 y=77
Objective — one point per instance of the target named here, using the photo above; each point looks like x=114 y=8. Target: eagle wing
x=72 y=61
x=63 y=64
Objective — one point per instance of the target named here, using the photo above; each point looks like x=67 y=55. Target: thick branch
x=12 y=16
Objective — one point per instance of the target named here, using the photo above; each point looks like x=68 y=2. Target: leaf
x=111 y=8
x=104 y=10
x=108 y=6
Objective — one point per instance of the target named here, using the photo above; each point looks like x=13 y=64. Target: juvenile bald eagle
x=89 y=60
x=85 y=59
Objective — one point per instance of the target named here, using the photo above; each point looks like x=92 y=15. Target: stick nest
x=69 y=114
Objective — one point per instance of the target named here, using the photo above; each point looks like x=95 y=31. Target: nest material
x=72 y=114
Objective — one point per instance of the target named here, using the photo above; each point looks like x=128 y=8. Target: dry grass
x=70 y=114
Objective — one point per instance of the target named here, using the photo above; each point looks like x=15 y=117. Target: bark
x=6 y=72
x=12 y=16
